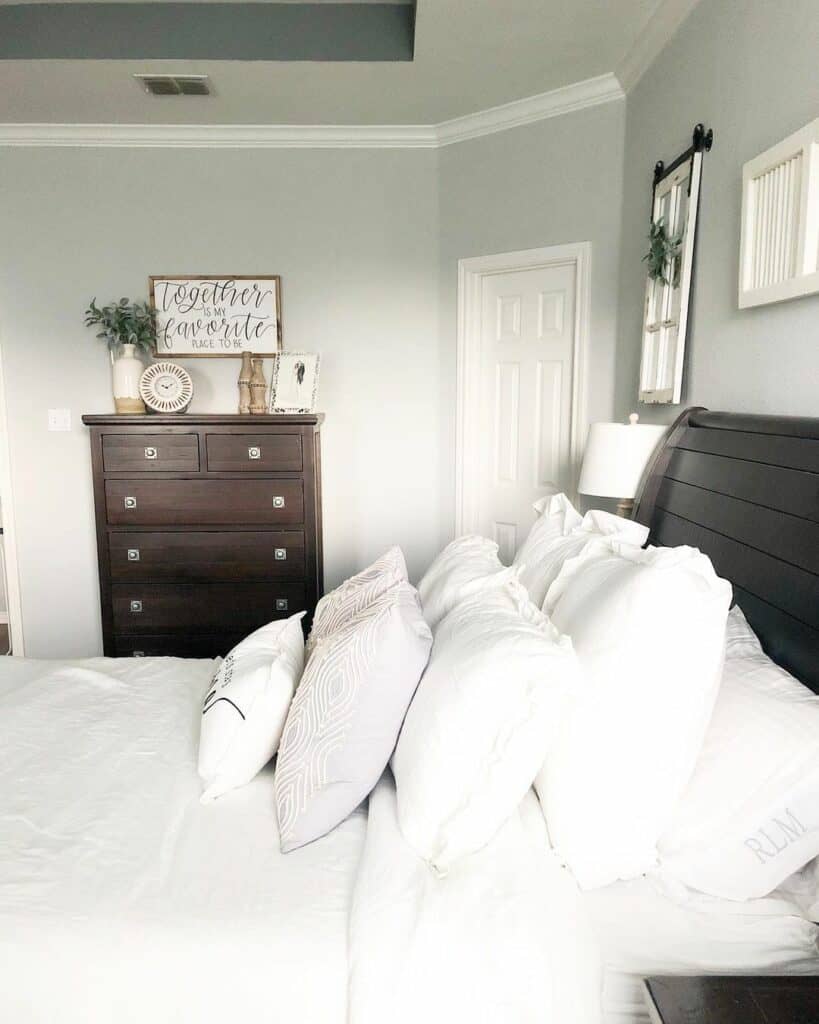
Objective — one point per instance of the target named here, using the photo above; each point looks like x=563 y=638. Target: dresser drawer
x=153 y=646
x=200 y=556
x=255 y=453
x=150 y=453
x=204 y=502
x=218 y=608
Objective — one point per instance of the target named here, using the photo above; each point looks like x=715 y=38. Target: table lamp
x=615 y=459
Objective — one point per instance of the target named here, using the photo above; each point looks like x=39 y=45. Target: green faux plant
x=663 y=253
x=124 y=323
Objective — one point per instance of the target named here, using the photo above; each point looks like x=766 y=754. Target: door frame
x=471 y=273
x=12 y=580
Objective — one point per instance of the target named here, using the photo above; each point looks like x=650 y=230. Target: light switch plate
x=59 y=419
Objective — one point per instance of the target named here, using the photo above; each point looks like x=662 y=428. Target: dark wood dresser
x=207 y=527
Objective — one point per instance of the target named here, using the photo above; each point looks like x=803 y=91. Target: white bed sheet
x=500 y=940
x=122 y=898
x=645 y=927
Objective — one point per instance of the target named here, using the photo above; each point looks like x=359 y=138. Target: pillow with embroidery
x=351 y=597
x=246 y=705
x=345 y=718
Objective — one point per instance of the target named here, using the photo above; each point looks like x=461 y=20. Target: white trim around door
x=471 y=274
x=8 y=556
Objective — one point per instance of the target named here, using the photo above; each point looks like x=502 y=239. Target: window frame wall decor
x=673 y=232
x=779 y=245
x=258 y=317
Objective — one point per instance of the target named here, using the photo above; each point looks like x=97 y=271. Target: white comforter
x=500 y=939
x=123 y=899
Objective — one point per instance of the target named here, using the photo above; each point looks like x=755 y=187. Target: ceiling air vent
x=175 y=85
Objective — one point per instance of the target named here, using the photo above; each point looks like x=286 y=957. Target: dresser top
x=201 y=419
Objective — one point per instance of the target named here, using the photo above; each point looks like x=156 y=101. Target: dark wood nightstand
x=733 y=1000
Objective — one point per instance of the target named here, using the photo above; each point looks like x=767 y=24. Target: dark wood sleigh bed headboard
x=745 y=490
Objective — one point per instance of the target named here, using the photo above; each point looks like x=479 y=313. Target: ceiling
x=470 y=55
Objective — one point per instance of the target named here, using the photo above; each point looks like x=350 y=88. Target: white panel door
x=527 y=342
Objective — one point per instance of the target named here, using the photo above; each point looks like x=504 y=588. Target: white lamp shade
x=616 y=457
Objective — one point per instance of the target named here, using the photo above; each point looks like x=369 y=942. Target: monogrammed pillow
x=246 y=705
x=749 y=817
x=352 y=596
x=346 y=715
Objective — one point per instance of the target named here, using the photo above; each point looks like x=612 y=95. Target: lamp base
x=625 y=507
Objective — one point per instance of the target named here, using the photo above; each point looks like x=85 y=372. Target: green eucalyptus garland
x=663 y=256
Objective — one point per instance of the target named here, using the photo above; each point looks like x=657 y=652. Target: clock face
x=166 y=387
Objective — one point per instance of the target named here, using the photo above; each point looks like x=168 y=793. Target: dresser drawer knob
x=150 y=453
x=133 y=554
x=278 y=501
x=136 y=606
x=129 y=502
x=280 y=554
x=281 y=604
x=254 y=452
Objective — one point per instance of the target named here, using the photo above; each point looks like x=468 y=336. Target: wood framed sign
x=213 y=315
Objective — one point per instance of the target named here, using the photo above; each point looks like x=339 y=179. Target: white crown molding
x=566 y=100
x=657 y=31
x=590 y=92
x=221 y=136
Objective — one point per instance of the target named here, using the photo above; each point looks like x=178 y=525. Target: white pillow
x=481 y=722
x=346 y=715
x=351 y=597
x=465 y=566
x=749 y=817
x=648 y=627
x=560 y=533
x=244 y=711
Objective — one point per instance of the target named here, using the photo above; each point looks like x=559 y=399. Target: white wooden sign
x=216 y=316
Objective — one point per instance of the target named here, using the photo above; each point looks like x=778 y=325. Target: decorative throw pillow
x=560 y=533
x=341 y=605
x=246 y=705
x=465 y=566
x=481 y=723
x=346 y=715
x=749 y=817
x=648 y=627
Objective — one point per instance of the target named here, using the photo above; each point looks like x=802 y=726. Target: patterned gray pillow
x=336 y=609
x=345 y=718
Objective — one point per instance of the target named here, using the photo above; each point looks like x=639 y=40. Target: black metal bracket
x=702 y=140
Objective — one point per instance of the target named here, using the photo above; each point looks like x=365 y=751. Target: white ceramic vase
x=127 y=370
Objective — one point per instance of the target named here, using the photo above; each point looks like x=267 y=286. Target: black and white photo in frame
x=294 y=385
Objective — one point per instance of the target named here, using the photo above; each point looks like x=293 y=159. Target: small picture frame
x=294 y=384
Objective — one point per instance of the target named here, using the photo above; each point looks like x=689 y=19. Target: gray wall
x=556 y=181
x=354 y=235
x=749 y=69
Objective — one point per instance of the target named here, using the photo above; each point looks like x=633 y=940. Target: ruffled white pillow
x=481 y=722
x=648 y=627
x=466 y=566
x=560 y=533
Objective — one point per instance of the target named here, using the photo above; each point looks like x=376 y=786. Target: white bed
x=122 y=898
